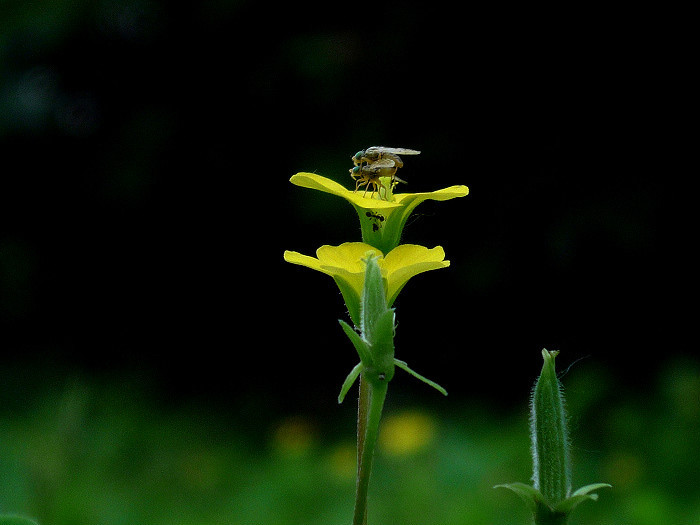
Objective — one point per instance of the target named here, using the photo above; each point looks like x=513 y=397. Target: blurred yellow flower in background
x=407 y=433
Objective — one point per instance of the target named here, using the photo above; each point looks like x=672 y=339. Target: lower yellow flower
x=345 y=265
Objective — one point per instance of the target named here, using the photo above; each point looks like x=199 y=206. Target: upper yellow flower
x=345 y=264
x=382 y=221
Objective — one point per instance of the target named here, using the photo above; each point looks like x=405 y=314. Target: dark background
x=145 y=203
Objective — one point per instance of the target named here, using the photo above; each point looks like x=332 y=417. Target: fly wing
x=379 y=166
x=378 y=150
x=384 y=163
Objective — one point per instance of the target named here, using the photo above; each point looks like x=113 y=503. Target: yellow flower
x=382 y=221
x=345 y=265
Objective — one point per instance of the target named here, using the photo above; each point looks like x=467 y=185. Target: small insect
x=376 y=153
x=372 y=173
x=376 y=220
x=376 y=216
x=376 y=162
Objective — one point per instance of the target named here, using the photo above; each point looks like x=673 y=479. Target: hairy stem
x=375 y=394
x=362 y=412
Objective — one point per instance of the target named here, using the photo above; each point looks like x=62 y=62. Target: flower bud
x=549 y=435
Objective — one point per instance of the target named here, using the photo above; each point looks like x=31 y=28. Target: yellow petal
x=348 y=256
x=439 y=195
x=317 y=182
x=408 y=260
x=304 y=260
x=345 y=263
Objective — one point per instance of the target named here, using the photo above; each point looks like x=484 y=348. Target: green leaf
x=360 y=345
x=347 y=384
x=404 y=366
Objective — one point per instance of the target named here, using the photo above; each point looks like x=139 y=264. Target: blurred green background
x=160 y=363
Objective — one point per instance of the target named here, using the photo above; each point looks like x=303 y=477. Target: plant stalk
x=372 y=396
x=551 y=519
x=362 y=411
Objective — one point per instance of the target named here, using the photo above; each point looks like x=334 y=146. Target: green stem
x=362 y=411
x=551 y=518
x=376 y=394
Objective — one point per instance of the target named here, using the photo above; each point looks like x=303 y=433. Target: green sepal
x=384 y=328
x=529 y=494
x=558 y=514
x=373 y=302
x=360 y=345
x=404 y=366
x=352 y=301
x=586 y=491
x=381 y=228
x=377 y=324
x=382 y=341
x=578 y=497
x=543 y=513
x=347 y=384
